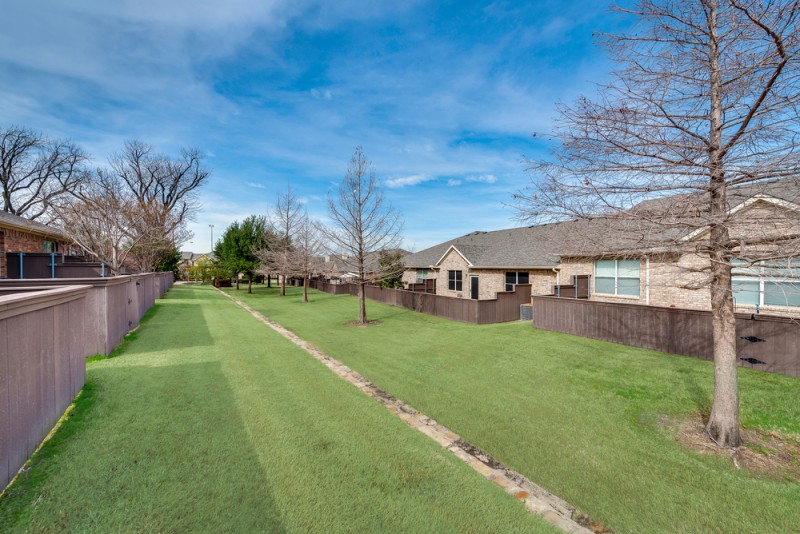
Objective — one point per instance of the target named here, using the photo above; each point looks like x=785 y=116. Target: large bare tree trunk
x=269 y=279
x=237 y=282
x=283 y=284
x=305 y=288
x=723 y=424
x=362 y=303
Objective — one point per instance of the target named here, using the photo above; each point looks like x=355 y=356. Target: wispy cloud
x=408 y=181
x=482 y=179
x=273 y=90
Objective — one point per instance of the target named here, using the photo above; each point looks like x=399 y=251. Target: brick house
x=18 y=234
x=647 y=264
x=481 y=264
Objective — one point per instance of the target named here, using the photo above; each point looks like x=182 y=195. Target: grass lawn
x=585 y=419
x=208 y=421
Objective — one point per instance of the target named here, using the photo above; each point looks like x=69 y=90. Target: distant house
x=190 y=259
x=648 y=263
x=22 y=236
x=481 y=264
x=343 y=268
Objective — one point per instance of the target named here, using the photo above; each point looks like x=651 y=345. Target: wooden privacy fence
x=47 y=329
x=763 y=342
x=502 y=309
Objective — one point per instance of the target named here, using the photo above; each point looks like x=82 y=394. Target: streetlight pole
x=212 y=236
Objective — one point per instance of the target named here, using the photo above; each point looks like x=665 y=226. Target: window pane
x=746 y=291
x=511 y=278
x=782 y=294
x=604 y=268
x=628 y=269
x=628 y=286
x=604 y=285
x=522 y=278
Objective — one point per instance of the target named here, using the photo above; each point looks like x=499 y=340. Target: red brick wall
x=17 y=241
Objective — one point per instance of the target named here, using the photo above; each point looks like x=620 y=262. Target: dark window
x=513 y=278
x=454 y=280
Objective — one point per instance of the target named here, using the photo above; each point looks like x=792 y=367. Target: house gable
x=452 y=250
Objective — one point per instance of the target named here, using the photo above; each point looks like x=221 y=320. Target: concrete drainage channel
x=536 y=498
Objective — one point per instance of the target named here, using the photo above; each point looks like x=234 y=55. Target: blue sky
x=442 y=96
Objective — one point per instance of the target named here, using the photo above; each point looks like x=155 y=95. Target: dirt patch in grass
x=362 y=325
x=763 y=453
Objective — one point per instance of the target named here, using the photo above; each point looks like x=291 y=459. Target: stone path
x=536 y=499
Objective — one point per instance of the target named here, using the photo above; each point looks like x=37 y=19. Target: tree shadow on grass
x=153 y=449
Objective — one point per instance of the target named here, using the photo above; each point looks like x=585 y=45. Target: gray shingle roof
x=543 y=245
x=21 y=223
x=526 y=247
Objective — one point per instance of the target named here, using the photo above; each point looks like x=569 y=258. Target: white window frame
x=422 y=275
x=761 y=278
x=616 y=292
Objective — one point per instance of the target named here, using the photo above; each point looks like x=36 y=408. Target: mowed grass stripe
x=207 y=421
x=585 y=419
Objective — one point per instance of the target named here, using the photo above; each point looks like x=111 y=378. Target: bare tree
x=703 y=108
x=287 y=221
x=165 y=191
x=35 y=171
x=362 y=222
x=308 y=250
x=135 y=211
x=98 y=218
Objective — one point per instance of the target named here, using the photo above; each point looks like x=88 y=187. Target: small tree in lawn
x=236 y=251
x=362 y=221
x=704 y=106
x=308 y=249
x=278 y=253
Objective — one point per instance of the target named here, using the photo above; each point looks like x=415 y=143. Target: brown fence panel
x=504 y=308
x=42 y=355
x=674 y=330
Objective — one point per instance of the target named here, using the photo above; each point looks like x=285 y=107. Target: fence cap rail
x=22 y=303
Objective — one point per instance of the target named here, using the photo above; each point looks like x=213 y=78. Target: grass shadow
x=151 y=448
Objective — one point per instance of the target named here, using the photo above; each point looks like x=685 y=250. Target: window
x=514 y=278
x=50 y=246
x=422 y=275
x=774 y=283
x=454 y=279
x=616 y=277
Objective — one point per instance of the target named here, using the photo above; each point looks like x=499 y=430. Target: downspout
x=558 y=287
x=647 y=280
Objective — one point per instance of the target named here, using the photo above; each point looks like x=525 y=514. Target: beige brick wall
x=452 y=261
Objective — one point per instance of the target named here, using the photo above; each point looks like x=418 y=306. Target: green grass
x=583 y=418
x=208 y=421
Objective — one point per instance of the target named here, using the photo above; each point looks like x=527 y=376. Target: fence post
x=52 y=265
x=21 y=262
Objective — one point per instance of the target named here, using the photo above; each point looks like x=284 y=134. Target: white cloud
x=406 y=181
x=255 y=185
x=483 y=179
x=452 y=183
